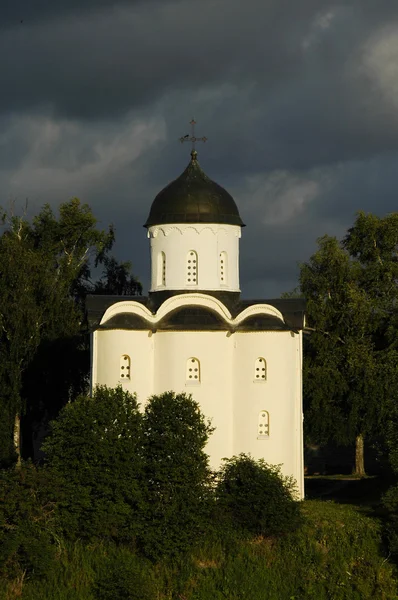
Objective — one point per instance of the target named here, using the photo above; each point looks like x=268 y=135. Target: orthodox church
x=241 y=360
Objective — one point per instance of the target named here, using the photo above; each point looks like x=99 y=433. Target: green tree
x=71 y=245
x=351 y=312
x=22 y=316
x=45 y=274
x=177 y=474
x=94 y=451
x=117 y=279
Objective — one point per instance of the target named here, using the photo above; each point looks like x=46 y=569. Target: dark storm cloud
x=14 y=12
x=296 y=69
x=101 y=63
x=298 y=100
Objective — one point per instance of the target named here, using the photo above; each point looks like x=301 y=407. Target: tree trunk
x=359 y=456
x=17 y=438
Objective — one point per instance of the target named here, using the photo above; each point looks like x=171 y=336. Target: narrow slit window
x=192 y=268
x=125 y=364
x=193 y=370
x=161 y=272
x=263 y=424
x=223 y=268
x=260 y=369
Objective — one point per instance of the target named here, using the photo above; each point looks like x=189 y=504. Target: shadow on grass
x=365 y=492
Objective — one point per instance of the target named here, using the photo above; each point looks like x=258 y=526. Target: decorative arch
x=208 y=228
x=260 y=369
x=128 y=306
x=131 y=307
x=181 y=300
x=258 y=309
x=192 y=268
x=263 y=424
x=198 y=299
x=171 y=229
x=193 y=318
x=192 y=372
x=125 y=367
x=192 y=229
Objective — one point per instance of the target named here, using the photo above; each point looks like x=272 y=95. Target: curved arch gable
x=131 y=307
x=258 y=309
x=170 y=305
x=204 y=300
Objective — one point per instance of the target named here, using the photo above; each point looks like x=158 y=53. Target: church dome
x=193 y=198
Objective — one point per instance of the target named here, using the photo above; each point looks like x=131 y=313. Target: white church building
x=241 y=360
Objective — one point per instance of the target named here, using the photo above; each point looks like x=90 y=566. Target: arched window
x=192 y=268
x=193 y=370
x=263 y=424
x=161 y=272
x=223 y=268
x=125 y=364
x=260 y=369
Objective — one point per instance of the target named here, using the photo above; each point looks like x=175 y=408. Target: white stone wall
x=214 y=350
x=280 y=395
x=227 y=393
x=110 y=345
x=211 y=242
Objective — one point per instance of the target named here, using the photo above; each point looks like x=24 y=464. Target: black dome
x=193 y=198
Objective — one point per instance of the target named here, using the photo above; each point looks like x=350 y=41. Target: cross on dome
x=192 y=138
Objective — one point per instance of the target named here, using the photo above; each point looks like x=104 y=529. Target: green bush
x=390 y=499
x=94 y=449
x=177 y=475
x=256 y=497
x=28 y=531
x=336 y=554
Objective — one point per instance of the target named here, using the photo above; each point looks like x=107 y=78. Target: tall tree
x=45 y=269
x=117 y=279
x=350 y=288
x=21 y=319
x=71 y=244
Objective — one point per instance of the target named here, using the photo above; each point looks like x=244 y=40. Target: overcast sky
x=298 y=99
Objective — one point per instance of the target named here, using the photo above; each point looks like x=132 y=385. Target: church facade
x=240 y=359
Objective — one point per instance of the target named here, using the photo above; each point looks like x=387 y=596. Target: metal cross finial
x=191 y=138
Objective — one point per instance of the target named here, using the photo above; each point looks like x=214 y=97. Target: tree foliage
x=45 y=274
x=177 y=474
x=28 y=532
x=22 y=315
x=256 y=497
x=126 y=475
x=351 y=293
x=94 y=450
x=117 y=279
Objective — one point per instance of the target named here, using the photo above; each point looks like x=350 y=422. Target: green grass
x=336 y=555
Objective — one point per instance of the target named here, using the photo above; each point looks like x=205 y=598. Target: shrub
x=28 y=534
x=257 y=497
x=390 y=499
x=177 y=474
x=94 y=450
